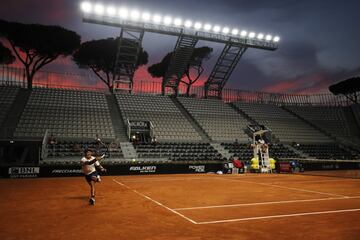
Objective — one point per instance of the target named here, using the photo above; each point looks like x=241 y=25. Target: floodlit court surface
x=208 y=206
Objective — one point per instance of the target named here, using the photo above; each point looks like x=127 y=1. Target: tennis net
x=327 y=168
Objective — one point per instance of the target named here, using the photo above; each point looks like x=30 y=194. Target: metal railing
x=11 y=76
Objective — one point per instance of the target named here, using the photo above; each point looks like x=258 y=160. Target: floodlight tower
x=134 y=23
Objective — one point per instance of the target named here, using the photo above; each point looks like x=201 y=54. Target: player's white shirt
x=87 y=169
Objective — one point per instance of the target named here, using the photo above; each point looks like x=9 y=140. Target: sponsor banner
x=24 y=172
x=330 y=166
x=66 y=171
x=143 y=169
x=126 y=169
x=197 y=168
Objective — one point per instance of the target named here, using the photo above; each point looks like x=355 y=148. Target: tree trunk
x=188 y=87
x=111 y=89
x=29 y=78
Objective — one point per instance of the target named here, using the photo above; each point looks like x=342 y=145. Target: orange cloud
x=315 y=83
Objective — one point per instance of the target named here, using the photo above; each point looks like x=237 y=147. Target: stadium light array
x=146 y=17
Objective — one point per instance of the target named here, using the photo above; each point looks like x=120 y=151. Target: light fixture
x=157 y=18
x=276 y=39
x=198 y=25
x=135 y=14
x=243 y=33
x=252 y=35
x=146 y=16
x=99 y=9
x=216 y=29
x=235 y=31
x=86 y=7
x=177 y=21
x=111 y=11
x=167 y=20
x=225 y=30
x=123 y=13
x=268 y=37
x=260 y=36
x=207 y=27
x=188 y=23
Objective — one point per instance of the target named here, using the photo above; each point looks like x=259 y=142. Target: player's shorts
x=92 y=175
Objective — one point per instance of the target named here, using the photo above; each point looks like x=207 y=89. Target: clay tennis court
x=247 y=206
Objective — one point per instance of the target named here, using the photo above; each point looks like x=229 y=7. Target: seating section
x=285 y=126
x=356 y=111
x=65 y=149
x=219 y=120
x=179 y=151
x=241 y=150
x=245 y=151
x=169 y=123
x=7 y=98
x=331 y=119
x=75 y=118
x=66 y=114
x=326 y=151
x=278 y=151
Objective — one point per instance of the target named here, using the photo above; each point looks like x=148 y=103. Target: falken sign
x=143 y=169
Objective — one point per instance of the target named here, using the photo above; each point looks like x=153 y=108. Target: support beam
x=130 y=43
x=223 y=68
x=180 y=59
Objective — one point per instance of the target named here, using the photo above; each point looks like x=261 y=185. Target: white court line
x=280 y=216
x=290 y=188
x=163 y=179
x=265 y=203
x=328 y=180
x=156 y=202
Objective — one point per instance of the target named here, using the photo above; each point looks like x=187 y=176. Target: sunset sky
x=319 y=38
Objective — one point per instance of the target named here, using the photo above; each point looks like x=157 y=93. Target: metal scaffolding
x=223 y=68
x=129 y=47
x=180 y=59
x=235 y=46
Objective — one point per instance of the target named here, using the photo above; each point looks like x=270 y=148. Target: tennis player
x=90 y=164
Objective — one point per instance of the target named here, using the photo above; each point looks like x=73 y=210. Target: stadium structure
x=160 y=131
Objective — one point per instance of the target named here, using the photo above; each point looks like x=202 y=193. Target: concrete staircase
x=193 y=122
x=274 y=138
x=15 y=112
x=128 y=151
x=243 y=114
x=225 y=153
x=116 y=119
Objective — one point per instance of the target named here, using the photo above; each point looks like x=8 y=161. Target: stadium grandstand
x=186 y=129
